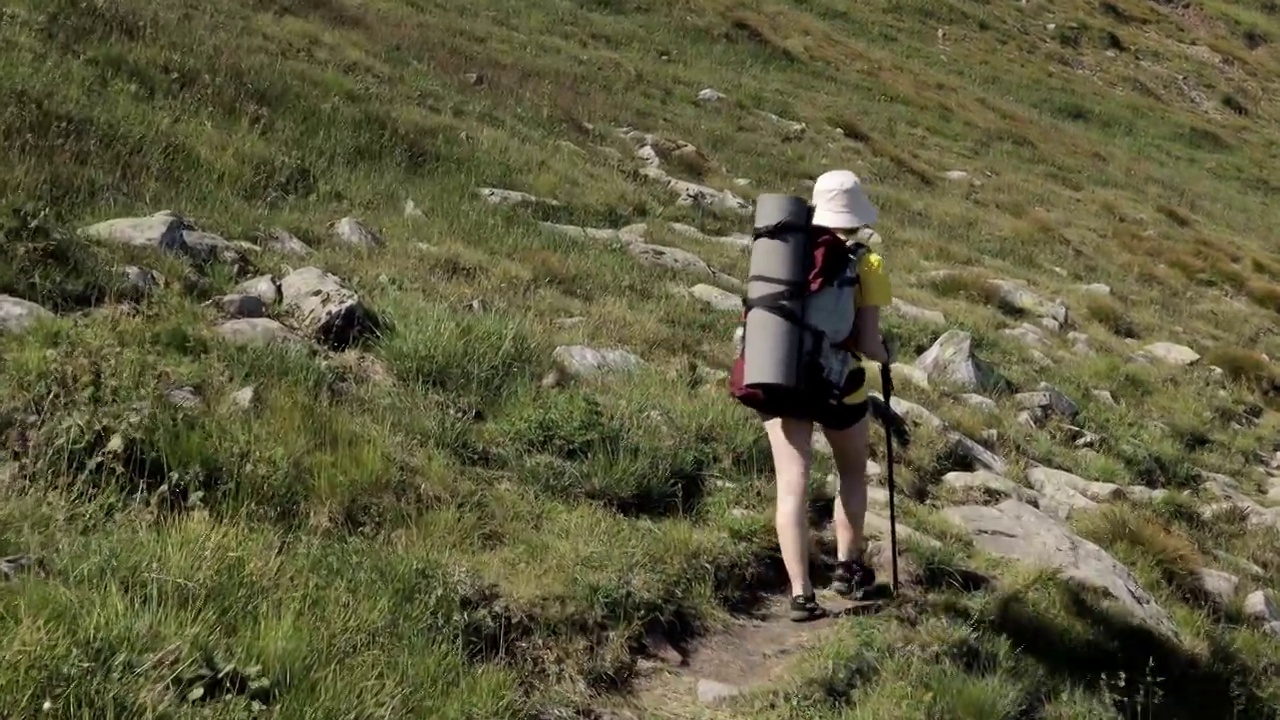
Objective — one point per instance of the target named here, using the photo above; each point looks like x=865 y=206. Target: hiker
x=841 y=213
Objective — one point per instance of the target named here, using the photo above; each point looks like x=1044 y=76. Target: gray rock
x=681 y=260
x=1217 y=586
x=710 y=95
x=353 y=232
x=12 y=566
x=1061 y=501
x=911 y=312
x=978 y=456
x=244 y=398
x=1045 y=402
x=1043 y=477
x=184 y=397
x=951 y=359
x=793 y=130
x=1170 y=353
x=263 y=287
x=258 y=331
x=141 y=279
x=717 y=298
x=325 y=309
x=513 y=197
x=1260 y=607
x=956 y=175
x=1028 y=334
x=1239 y=564
x=18 y=315
x=1016 y=530
x=1095 y=289
x=980 y=402
x=411 y=210
x=166 y=231
x=911 y=374
x=1103 y=396
x=581 y=361
x=239 y=306
x=583 y=233
x=283 y=242
x=990 y=484
x=914 y=413
x=1016 y=297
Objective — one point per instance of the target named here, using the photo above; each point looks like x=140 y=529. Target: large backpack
x=801 y=367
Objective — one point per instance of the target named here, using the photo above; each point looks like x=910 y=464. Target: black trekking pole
x=886 y=381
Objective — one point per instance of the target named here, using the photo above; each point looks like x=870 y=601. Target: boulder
x=263 y=287
x=1260 y=607
x=717 y=298
x=353 y=232
x=283 y=242
x=1046 y=401
x=258 y=331
x=1042 y=478
x=976 y=455
x=581 y=361
x=17 y=315
x=239 y=306
x=681 y=260
x=141 y=280
x=325 y=309
x=989 y=484
x=1015 y=530
x=166 y=231
x=1016 y=297
x=512 y=197
x=911 y=374
x=1216 y=586
x=1170 y=353
x=952 y=359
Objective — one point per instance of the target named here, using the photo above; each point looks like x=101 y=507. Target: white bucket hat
x=840 y=203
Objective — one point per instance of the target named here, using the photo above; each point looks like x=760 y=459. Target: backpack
x=824 y=372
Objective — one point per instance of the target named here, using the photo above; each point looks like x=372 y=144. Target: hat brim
x=861 y=212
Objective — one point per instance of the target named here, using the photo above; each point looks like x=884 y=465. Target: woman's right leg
x=791 y=441
x=850 y=449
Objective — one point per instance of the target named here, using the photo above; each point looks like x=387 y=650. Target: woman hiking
x=841 y=207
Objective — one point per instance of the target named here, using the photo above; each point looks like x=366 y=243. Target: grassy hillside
x=417 y=525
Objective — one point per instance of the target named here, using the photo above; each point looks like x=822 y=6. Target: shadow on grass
x=1156 y=678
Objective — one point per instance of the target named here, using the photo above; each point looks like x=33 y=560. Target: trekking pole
x=886 y=381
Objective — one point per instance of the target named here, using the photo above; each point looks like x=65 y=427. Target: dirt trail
x=754 y=651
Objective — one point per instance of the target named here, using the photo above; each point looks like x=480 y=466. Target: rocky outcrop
x=170 y=232
x=952 y=360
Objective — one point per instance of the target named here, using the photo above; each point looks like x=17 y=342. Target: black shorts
x=835 y=417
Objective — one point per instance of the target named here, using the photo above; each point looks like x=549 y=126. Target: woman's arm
x=869 y=343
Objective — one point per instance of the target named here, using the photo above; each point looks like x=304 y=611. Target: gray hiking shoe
x=852 y=577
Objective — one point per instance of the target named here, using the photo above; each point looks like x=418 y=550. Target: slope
x=392 y=510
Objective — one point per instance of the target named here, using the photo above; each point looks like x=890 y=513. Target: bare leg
x=791 y=441
x=850 y=449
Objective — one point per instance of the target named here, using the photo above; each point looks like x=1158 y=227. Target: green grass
x=418 y=527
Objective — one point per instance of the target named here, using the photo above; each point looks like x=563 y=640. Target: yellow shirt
x=873 y=291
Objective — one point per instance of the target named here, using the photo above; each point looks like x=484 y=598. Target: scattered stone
x=980 y=457
x=17 y=315
x=1014 y=296
x=711 y=692
x=497 y=196
x=565 y=323
x=325 y=308
x=952 y=359
x=244 y=398
x=1027 y=333
x=1013 y=529
x=166 y=231
x=263 y=287
x=258 y=331
x=709 y=95
x=1217 y=587
x=351 y=231
x=1081 y=343
x=184 y=397
x=717 y=298
x=980 y=402
x=583 y=233
x=1170 y=353
x=1044 y=403
x=956 y=175
x=993 y=486
x=411 y=210
x=792 y=130
x=580 y=361
x=914 y=413
x=12 y=566
x=283 y=242
x=141 y=279
x=914 y=313
x=1260 y=607
x=1239 y=564
x=239 y=306
x=1042 y=477
x=681 y=260
x=1103 y=396
x=1095 y=289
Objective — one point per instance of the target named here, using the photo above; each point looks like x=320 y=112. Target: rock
x=911 y=312
x=565 y=323
x=951 y=359
x=1170 y=353
x=1103 y=396
x=184 y=397
x=581 y=361
x=1016 y=530
x=244 y=398
x=1260 y=607
x=956 y=175
x=990 y=484
x=1013 y=296
x=1095 y=289
x=239 y=306
x=709 y=95
x=980 y=402
x=141 y=279
x=583 y=233
x=263 y=287
x=1240 y=564
x=978 y=456
x=258 y=331
x=1061 y=501
x=17 y=315
x=513 y=197
x=681 y=260
x=792 y=130
x=1028 y=334
x=1043 y=477
x=411 y=210
x=1045 y=402
x=717 y=298
x=351 y=231
x=911 y=374
x=163 y=230
x=1216 y=586
x=283 y=242
x=325 y=309
x=12 y=566
x=877 y=524
x=711 y=692
x=915 y=413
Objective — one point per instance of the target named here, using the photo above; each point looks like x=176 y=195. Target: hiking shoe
x=852 y=576
x=805 y=608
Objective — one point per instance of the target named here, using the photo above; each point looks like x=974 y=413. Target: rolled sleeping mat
x=780 y=258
